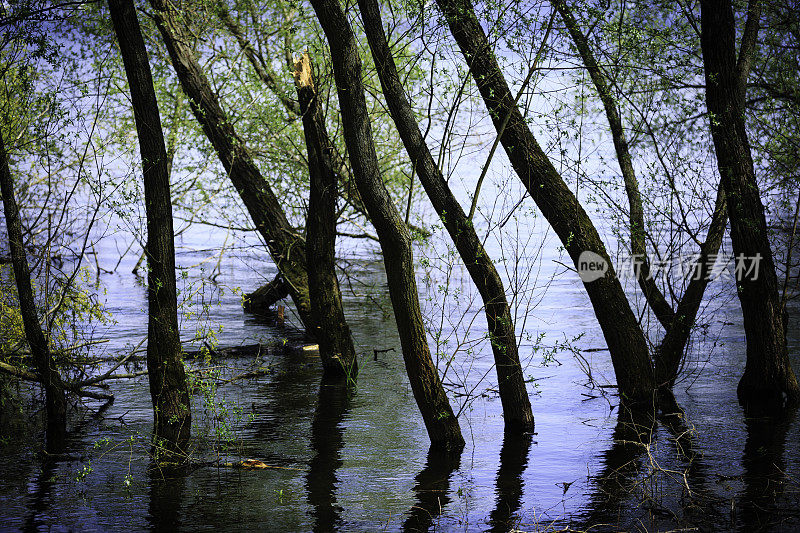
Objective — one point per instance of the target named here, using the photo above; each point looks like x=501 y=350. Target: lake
x=359 y=461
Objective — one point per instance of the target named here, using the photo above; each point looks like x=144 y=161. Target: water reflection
x=695 y=500
x=326 y=442
x=621 y=466
x=167 y=487
x=431 y=488
x=283 y=405
x=765 y=473
x=509 y=484
x=40 y=492
x=58 y=446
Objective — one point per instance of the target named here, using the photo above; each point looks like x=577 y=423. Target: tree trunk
x=623 y=335
x=513 y=394
x=264 y=297
x=440 y=421
x=768 y=381
x=286 y=247
x=335 y=343
x=55 y=401
x=168 y=388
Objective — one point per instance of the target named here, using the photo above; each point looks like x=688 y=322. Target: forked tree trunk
x=440 y=421
x=335 y=343
x=55 y=402
x=678 y=323
x=655 y=298
x=168 y=388
x=513 y=394
x=286 y=247
x=768 y=381
x=624 y=337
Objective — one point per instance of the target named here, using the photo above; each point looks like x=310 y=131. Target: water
x=360 y=462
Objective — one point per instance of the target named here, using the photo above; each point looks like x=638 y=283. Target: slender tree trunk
x=513 y=394
x=623 y=335
x=440 y=421
x=655 y=298
x=168 y=388
x=669 y=355
x=286 y=246
x=335 y=343
x=55 y=401
x=768 y=380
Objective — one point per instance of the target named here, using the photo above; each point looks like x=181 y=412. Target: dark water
x=360 y=461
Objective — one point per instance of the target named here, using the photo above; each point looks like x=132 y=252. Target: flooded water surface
x=359 y=460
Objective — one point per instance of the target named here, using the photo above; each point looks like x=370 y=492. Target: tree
x=335 y=343
x=55 y=401
x=625 y=339
x=768 y=379
x=168 y=387
x=677 y=322
x=511 y=381
x=286 y=246
x=440 y=421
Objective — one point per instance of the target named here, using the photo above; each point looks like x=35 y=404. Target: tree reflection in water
x=326 y=443
x=431 y=488
x=765 y=478
x=167 y=487
x=509 y=484
x=621 y=465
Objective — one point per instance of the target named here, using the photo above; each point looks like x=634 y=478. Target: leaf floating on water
x=255 y=464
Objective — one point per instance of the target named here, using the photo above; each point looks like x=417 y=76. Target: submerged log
x=263 y=298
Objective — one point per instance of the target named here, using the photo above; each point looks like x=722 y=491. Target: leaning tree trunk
x=624 y=337
x=55 y=402
x=335 y=343
x=286 y=246
x=440 y=421
x=768 y=380
x=168 y=388
x=511 y=381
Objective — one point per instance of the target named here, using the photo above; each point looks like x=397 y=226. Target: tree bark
x=264 y=297
x=513 y=394
x=55 y=401
x=335 y=343
x=768 y=381
x=440 y=421
x=623 y=335
x=168 y=387
x=286 y=247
